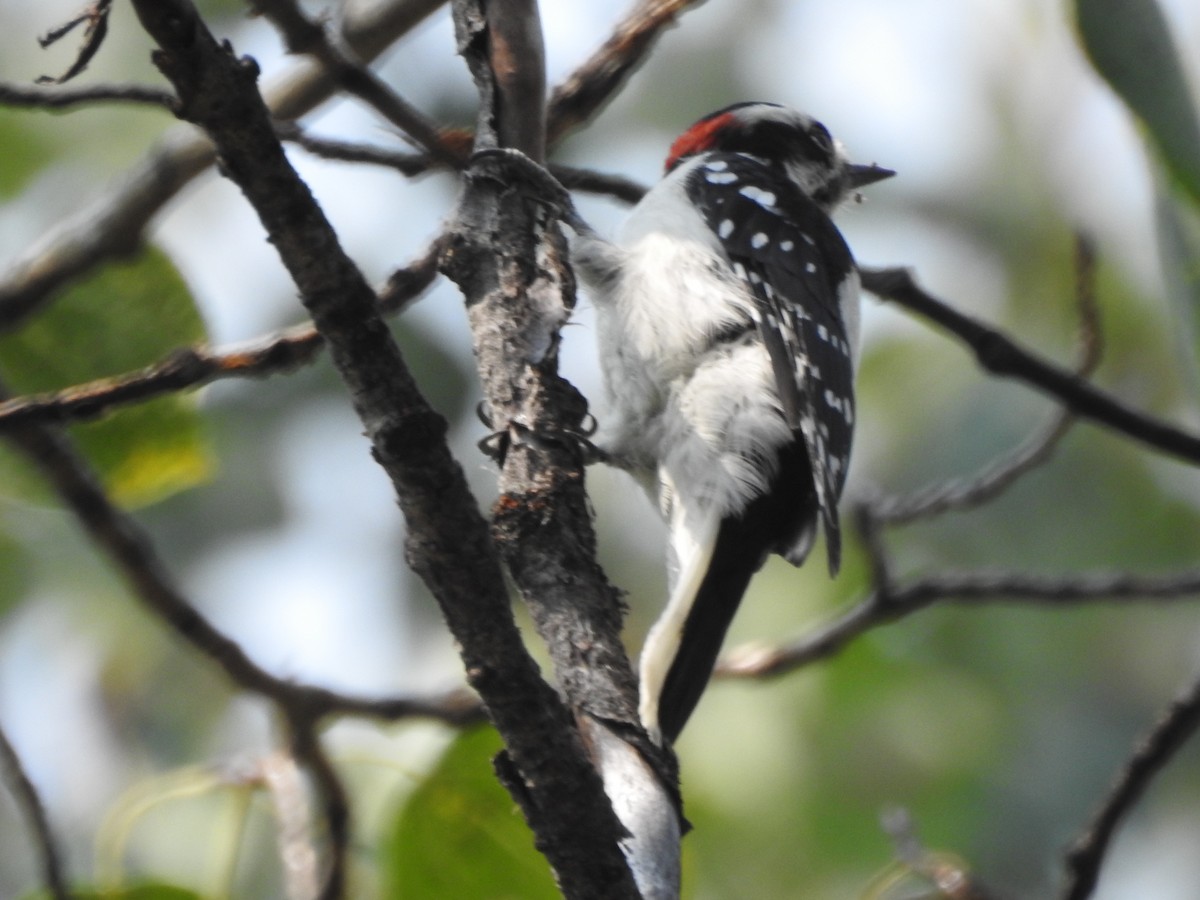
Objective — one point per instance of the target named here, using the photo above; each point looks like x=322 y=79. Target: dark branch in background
x=888 y=600
x=1175 y=728
x=40 y=98
x=1000 y=355
x=1004 y=472
x=26 y=795
x=331 y=794
x=303 y=35
x=130 y=549
x=891 y=602
x=190 y=367
x=412 y=164
x=597 y=81
x=112 y=226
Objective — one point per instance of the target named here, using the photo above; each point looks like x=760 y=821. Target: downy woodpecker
x=727 y=314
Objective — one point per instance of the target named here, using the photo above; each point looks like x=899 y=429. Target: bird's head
x=780 y=136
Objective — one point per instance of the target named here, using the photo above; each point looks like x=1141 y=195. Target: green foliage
x=125 y=317
x=460 y=835
x=1130 y=45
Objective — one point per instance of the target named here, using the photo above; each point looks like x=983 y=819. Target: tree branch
x=1036 y=450
x=414 y=164
x=189 y=367
x=448 y=541
x=303 y=35
x=1176 y=726
x=887 y=603
x=1000 y=355
x=509 y=257
x=594 y=83
x=112 y=226
x=12 y=772
x=41 y=98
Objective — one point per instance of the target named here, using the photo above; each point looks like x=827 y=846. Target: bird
x=727 y=321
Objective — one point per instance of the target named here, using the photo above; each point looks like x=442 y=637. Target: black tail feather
x=773 y=522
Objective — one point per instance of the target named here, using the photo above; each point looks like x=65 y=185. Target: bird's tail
x=714 y=560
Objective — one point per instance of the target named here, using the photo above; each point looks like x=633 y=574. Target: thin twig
x=40 y=98
x=303 y=35
x=96 y=17
x=1178 y=723
x=878 y=609
x=1004 y=472
x=112 y=226
x=12 y=772
x=280 y=775
x=306 y=745
x=999 y=354
x=414 y=164
x=189 y=367
x=586 y=90
x=130 y=548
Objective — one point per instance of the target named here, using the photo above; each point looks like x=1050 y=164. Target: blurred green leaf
x=1179 y=250
x=460 y=835
x=1130 y=45
x=125 y=317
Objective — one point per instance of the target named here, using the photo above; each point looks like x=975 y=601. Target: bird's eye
x=821 y=138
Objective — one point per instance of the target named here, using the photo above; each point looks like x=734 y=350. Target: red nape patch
x=696 y=139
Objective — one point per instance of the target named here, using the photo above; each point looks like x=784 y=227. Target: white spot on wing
x=725 y=229
x=765 y=199
x=759 y=240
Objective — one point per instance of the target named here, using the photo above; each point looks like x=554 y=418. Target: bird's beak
x=861 y=176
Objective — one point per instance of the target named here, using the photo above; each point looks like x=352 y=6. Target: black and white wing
x=797 y=268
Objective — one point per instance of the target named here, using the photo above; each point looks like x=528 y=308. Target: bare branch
x=895 y=602
x=40 y=98
x=517 y=58
x=592 y=85
x=308 y=750
x=96 y=17
x=1153 y=752
x=448 y=541
x=1037 y=449
x=508 y=255
x=12 y=772
x=112 y=226
x=1002 y=356
x=190 y=367
x=297 y=849
x=413 y=164
x=303 y=35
